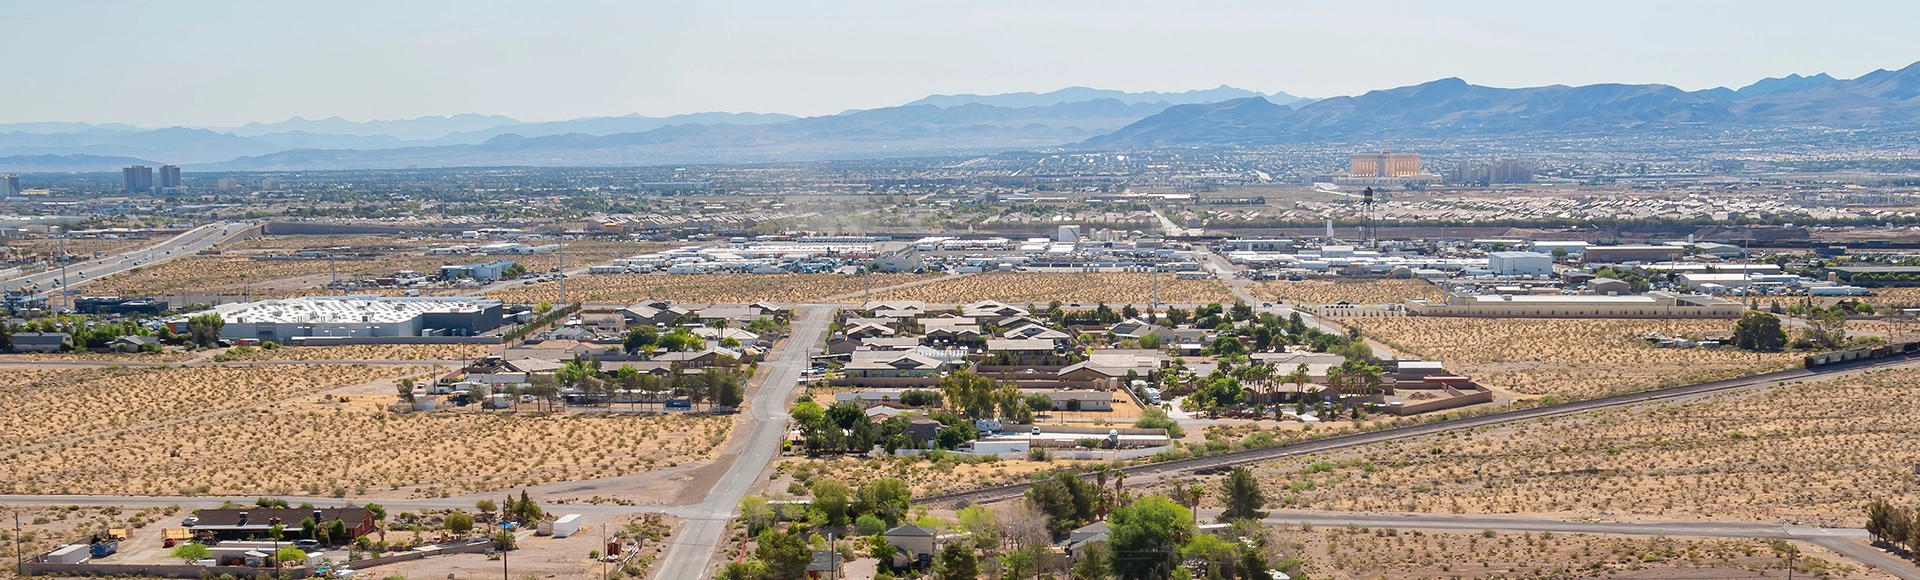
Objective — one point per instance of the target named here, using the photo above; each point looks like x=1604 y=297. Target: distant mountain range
x=1078 y=94
x=1450 y=107
x=1076 y=117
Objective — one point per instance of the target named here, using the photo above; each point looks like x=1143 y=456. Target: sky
x=218 y=63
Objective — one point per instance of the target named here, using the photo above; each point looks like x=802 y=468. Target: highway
x=1340 y=442
x=693 y=546
x=185 y=244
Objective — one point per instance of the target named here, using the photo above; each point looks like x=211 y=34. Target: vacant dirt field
x=925 y=477
x=45 y=406
x=322 y=447
x=1894 y=297
x=1354 y=553
x=1085 y=288
x=1569 y=358
x=702 y=288
x=80 y=248
x=1812 y=453
x=1324 y=291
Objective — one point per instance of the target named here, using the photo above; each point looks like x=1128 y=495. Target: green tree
x=1759 y=331
x=1150 y=341
x=486 y=505
x=830 y=497
x=191 y=551
x=980 y=526
x=311 y=529
x=1217 y=554
x=970 y=394
x=785 y=555
x=459 y=523
x=1093 y=563
x=887 y=498
x=505 y=541
x=1150 y=525
x=290 y=555
x=640 y=337
x=869 y=525
x=1827 y=327
x=957 y=562
x=1241 y=494
x=205 y=329
x=1067 y=500
x=337 y=531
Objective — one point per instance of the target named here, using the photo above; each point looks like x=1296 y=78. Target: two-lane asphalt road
x=185 y=244
x=693 y=547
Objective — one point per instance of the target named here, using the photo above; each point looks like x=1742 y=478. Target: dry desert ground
x=1580 y=358
x=292 y=429
x=1368 y=291
x=703 y=288
x=1805 y=452
x=1085 y=288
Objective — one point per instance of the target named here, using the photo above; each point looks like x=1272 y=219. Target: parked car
x=306 y=545
x=190 y=521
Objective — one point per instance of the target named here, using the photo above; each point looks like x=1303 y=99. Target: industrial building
x=121 y=305
x=289 y=319
x=1520 y=263
x=1649 y=305
x=1615 y=254
x=484 y=272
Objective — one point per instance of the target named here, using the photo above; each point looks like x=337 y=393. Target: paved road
x=1846 y=541
x=185 y=244
x=693 y=547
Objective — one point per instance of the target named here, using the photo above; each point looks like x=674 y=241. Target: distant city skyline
x=223 y=64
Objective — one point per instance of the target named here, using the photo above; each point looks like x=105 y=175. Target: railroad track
x=1227 y=460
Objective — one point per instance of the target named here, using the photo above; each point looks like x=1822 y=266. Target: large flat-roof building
x=356 y=317
x=1520 y=263
x=1649 y=305
x=1385 y=164
x=1633 y=253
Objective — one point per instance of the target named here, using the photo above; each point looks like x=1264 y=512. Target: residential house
x=738 y=315
x=696 y=359
x=1135 y=328
x=896 y=309
x=133 y=343
x=1022 y=346
x=255 y=523
x=868 y=331
x=1076 y=400
x=893 y=364
x=913 y=545
x=886 y=410
x=992 y=308
x=1035 y=332
x=607 y=322
x=826 y=563
x=662 y=316
x=1080 y=537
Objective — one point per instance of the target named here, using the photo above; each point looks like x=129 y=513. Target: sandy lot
x=1086 y=288
x=1569 y=358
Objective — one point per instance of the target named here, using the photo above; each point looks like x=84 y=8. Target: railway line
x=1341 y=442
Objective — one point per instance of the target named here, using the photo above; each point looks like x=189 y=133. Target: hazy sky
x=228 y=63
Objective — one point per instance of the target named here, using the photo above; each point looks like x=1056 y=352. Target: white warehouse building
x=1520 y=263
x=356 y=316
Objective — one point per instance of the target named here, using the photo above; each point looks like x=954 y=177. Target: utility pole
x=562 y=252
x=603 y=557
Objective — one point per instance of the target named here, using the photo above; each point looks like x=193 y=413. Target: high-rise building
x=1502 y=171
x=9 y=185
x=169 y=176
x=138 y=178
x=1385 y=164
